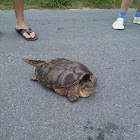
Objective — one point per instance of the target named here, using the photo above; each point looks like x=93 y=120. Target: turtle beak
x=85 y=94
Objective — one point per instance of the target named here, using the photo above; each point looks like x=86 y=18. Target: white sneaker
x=118 y=24
x=136 y=20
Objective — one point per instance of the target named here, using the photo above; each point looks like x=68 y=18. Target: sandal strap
x=21 y=31
x=30 y=30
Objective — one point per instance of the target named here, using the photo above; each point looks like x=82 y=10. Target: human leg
x=125 y=5
x=138 y=7
x=137 y=15
x=119 y=24
x=19 y=11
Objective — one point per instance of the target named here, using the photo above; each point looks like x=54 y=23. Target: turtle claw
x=73 y=98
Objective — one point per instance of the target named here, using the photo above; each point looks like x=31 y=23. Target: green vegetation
x=65 y=4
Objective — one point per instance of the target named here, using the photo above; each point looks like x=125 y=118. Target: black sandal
x=21 y=31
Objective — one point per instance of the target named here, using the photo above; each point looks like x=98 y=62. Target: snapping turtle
x=65 y=77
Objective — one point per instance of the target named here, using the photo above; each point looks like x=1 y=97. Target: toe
x=26 y=35
x=32 y=34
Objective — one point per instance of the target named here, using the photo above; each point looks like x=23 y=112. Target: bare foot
x=24 y=26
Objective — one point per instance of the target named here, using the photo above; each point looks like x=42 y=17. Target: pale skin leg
x=19 y=11
x=138 y=7
x=125 y=5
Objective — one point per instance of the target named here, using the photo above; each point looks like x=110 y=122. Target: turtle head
x=87 y=85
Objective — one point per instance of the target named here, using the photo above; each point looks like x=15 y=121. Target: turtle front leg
x=72 y=97
x=73 y=94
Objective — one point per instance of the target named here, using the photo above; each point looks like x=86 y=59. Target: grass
x=65 y=4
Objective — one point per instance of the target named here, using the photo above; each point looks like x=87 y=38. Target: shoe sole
x=118 y=28
x=136 y=22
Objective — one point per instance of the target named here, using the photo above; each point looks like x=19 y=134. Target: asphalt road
x=30 y=111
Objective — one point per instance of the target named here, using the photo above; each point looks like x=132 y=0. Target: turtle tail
x=34 y=62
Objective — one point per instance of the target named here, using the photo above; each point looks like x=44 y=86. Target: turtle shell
x=61 y=72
